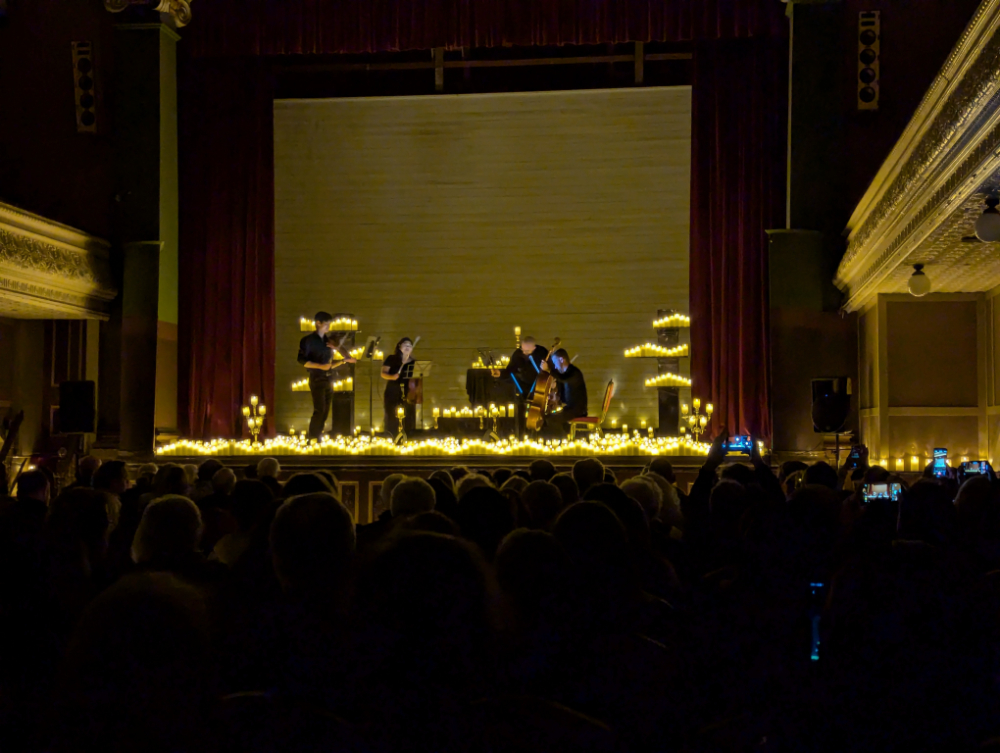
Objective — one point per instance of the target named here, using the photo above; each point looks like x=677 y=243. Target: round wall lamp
x=920 y=284
x=988 y=224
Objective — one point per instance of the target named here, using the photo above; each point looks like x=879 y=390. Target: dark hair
x=322 y=317
x=399 y=345
x=562 y=354
x=541 y=470
x=108 y=473
x=31 y=482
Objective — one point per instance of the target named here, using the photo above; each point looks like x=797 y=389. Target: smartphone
x=739 y=444
x=975 y=468
x=854 y=456
x=817 y=592
x=940 y=465
x=881 y=491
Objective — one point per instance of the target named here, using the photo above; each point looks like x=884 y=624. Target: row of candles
x=341 y=385
x=668 y=380
x=917 y=463
x=493 y=411
x=652 y=350
x=342 y=324
x=674 y=320
x=478 y=363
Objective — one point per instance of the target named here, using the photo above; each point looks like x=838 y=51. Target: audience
x=472 y=617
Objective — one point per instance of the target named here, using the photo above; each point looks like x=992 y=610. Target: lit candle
x=703 y=421
x=517 y=331
x=709 y=408
x=253 y=400
x=503 y=412
x=642 y=423
x=625 y=429
x=696 y=403
x=436 y=412
x=400 y=411
x=262 y=409
x=899 y=464
x=914 y=463
x=965 y=459
x=246 y=410
x=684 y=409
x=884 y=463
x=510 y=410
x=650 y=432
x=614 y=423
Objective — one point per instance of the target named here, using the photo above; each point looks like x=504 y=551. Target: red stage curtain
x=739 y=115
x=226 y=332
x=296 y=27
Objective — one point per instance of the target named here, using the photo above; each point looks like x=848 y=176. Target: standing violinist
x=396 y=370
x=523 y=369
x=316 y=354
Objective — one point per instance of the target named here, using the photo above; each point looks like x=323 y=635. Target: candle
x=709 y=408
x=400 y=411
x=614 y=423
x=262 y=409
x=253 y=400
x=246 y=410
x=510 y=410
x=696 y=403
x=650 y=432
x=517 y=331
x=436 y=413
x=503 y=411
x=625 y=429
x=899 y=464
x=914 y=463
x=684 y=409
x=703 y=420
x=642 y=423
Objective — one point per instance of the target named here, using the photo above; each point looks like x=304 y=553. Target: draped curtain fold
x=739 y=114
x=321 y=27
x=226 y=329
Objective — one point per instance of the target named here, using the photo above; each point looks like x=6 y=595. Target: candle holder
x=696 y=420
x=254 y=414
x=401 y=415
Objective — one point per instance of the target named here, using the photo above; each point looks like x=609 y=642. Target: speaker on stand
x=831 y=405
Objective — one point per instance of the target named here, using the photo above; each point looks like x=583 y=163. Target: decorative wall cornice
x=179 y=10
x=51 y=268
x=951 y=145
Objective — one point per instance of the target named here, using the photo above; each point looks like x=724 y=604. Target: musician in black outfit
x=523 y=369
x=397 y=370
x=571 y=394
x=316 y=354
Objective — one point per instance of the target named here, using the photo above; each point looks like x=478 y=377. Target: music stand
x=370 y=344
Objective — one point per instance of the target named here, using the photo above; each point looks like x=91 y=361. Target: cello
x=544 y=394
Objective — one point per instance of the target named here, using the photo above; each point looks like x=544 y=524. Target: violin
x=339 y=347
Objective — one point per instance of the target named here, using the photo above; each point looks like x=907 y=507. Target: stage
x=362 y=462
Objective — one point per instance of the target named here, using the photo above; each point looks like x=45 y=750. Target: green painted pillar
x=146 y=166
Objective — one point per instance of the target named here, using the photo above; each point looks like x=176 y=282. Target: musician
x=571 y=393
x=396 y=370
x=316 y=354
x=523 y=369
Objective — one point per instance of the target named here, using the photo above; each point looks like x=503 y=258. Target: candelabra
x=696 y=420
x=401 y=415
x=254 y=414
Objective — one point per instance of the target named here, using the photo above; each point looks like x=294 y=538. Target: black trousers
x=557 y=425
x=322 y=395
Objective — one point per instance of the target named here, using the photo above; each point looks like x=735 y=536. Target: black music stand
x=369 y=353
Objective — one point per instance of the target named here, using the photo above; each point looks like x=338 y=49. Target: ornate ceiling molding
x=179 y=10
x=50 y=270
x=949 y=148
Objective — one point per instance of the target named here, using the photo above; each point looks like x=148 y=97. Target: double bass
x=544 y=395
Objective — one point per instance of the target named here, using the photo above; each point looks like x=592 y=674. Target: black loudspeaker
x=831 y=403
x=86 y=92
x=869 y=52
x=77 y=411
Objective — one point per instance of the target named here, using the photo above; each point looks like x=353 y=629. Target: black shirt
x=572 y=391
x=524 y=368
x=312 y=348
x=395 y=390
